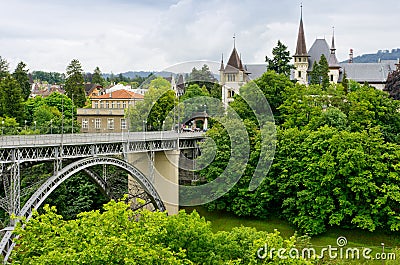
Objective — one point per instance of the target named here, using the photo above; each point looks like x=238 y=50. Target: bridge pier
x=162 y=170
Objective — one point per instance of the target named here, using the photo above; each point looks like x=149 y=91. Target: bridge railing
x=88 y=138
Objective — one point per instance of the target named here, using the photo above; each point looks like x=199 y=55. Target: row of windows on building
x=110 y=124
x=299 y=60
x=232 y=77
x=112 y=105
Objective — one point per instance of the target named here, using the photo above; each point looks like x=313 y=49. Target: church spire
x=222 y=63
x=333 y=61
x=301 y=49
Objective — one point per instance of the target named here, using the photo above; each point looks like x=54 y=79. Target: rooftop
x=119 y=94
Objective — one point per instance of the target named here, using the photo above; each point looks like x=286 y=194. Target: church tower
x=334 y=67
x=301 y=55
x=232 y=76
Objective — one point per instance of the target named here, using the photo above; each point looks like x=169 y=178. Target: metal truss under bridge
x=86 y=150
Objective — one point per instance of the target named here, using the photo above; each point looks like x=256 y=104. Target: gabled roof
x=90 y=87
x=119 y=94
x=369 y=72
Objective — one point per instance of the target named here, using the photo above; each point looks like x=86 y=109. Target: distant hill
x=133 y=74
x=394 y=54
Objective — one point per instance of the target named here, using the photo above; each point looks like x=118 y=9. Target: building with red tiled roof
x=108 y=112
x=119 y=99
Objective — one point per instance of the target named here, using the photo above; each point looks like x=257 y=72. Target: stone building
x=232 y=76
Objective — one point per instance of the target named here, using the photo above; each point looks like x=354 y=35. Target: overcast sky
x=123 y=35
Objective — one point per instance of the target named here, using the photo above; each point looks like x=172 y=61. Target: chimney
x=110 y=94
x=351 y=56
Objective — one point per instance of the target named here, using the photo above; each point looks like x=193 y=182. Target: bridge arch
x=41 y=194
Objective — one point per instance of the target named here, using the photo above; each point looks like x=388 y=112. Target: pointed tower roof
x=234 y=63
x=301 y=49
x=222 y=63
x=333 y=61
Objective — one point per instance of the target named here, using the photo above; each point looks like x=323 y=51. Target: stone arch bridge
x=151 y=159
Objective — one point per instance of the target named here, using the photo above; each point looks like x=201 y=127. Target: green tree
x=21 y=75
x=345 y=82
x=368 y=107
x=216 y=91
x=75 y=84
x=97 y=78
x=53 y=114
x=332 y=117
x=330 y=177
x=194 y=90
x=151 y=113
x=202 y=77
x=3 y=68
x=315 y=74
x=280 y=62
x=11 y=98
x=48 y=77
x=324 y=72
x=320 y=73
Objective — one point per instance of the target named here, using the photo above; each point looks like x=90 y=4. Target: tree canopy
x=336 y=160
x=118 y=235
x=21 y=75
x=75 y=84
x=320 y=73
x=97 y=78
x=11 y=98
x=151 y=113
x=202 y=77
x=280 y=61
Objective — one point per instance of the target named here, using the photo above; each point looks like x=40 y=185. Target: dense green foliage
x=319 y=73
x=21 y=75
x=337 y=161
x=97 y=77
x=203 y=77
x=48 y=77
x=53 y=114
x=120 y=236
x=11 y=98
x=150 y=113
x=3 y=68
x=280 y=62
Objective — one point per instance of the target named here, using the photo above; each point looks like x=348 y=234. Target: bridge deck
x=17 y=141
x=24 y=148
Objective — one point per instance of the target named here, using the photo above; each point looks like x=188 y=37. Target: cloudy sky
x=123 y=35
